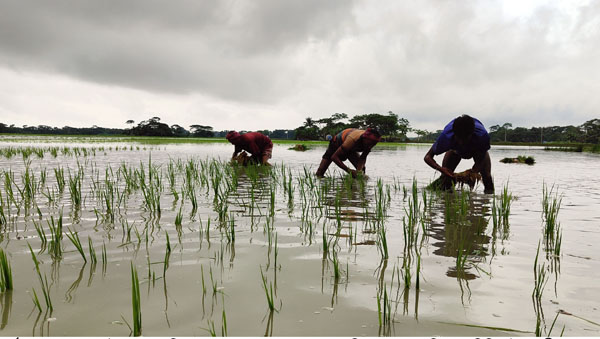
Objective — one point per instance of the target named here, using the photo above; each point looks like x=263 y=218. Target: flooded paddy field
x=118 y=238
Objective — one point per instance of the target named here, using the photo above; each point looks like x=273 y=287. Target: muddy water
x=211 y=278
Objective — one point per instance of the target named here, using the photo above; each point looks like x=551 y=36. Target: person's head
x=463 y=128
x=233 y=136
x=371 y=137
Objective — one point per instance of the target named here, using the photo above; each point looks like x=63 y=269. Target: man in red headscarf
x=255 y=143
x=346 y=145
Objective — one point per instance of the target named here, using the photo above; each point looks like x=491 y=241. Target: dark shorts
x=333 y=147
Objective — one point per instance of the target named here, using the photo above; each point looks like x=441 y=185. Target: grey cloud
x=228 y=49
x=425 y=60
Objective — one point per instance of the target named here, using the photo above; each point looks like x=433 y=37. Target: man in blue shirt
x=463 y=138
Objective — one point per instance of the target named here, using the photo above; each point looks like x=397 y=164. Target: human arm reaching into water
x=337 y=159
x=433 y=164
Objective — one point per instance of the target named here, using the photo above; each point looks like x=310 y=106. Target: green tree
x=202 y=131
x=388 y=125
x=309 y=131
x=333 y=124
x=506 y=127
x=591 y=131
x=152 y=127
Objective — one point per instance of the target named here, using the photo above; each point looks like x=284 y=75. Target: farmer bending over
x=463 y=138
x=346 y=145
x=255 y=143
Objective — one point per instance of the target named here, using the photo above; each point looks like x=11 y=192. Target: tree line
x=588 y=132
x=390 y=125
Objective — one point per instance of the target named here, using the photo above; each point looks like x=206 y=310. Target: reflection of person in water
x=462 y=138
x=466 y=233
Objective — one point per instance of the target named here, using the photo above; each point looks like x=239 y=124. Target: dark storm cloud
x=230 y=49
x=271 y=63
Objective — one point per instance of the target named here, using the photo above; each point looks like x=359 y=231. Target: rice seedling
x=230 y=233
x=337 y=273
x=8 y=188
x=152 y=189
x=540 y=279
x=552 y=231
x=6 y=278
x=56 y=236
x=29 y=184
x=75 y=182
x=382 y=242
x=223 y=320
x=2 y=213
x=43 y=281
x=135 y=302
x=74 y=237
x=210 y=328
x=179 y=217
x=36 y=301
x=384 y=312
x=268 y=288
x=43 y=175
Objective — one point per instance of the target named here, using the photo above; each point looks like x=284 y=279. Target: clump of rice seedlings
x=74 y=237
x=456 y=207
x=152 y=189
x=552 y=230
x=29 y=184
x=381 y=200
x=43 y=175
x=521 y=159
x=501 y=212
x=135 y=302
x=54 y=152
x=75 y=182
x=6 y=280
x=107 y=197
x=171 y=171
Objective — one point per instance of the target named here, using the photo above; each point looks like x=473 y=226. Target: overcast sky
x=268 y=64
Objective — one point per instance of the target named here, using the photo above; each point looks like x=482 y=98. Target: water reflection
x=6 y=303
x=459 y=224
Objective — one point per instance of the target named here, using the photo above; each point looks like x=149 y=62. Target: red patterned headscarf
x=232 y=136
x=372 y=134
